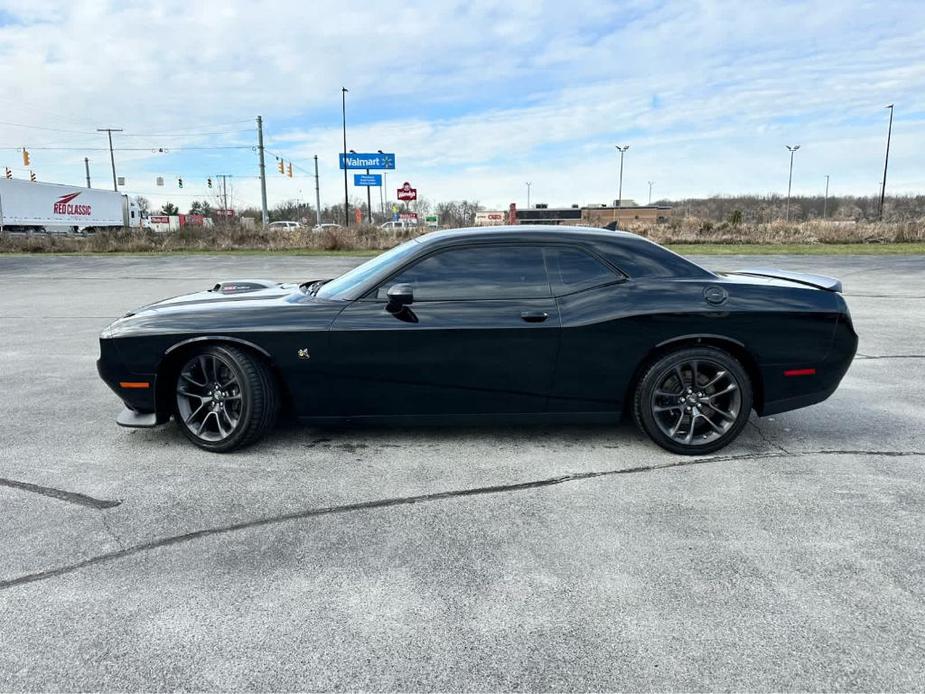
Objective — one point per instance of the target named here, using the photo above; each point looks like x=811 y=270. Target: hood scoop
x=232 y=287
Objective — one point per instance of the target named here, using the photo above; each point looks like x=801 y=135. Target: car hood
x=233 y=304
x=229 y=291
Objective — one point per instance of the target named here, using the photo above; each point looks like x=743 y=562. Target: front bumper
x=138 y=391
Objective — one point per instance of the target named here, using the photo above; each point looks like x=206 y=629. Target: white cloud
x=478 y=97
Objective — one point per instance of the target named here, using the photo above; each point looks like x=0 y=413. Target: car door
x=480 y=337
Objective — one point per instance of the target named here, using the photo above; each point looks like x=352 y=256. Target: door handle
x=534 y=316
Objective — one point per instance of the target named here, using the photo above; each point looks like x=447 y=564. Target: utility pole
x=317 y=194
x=264 y=213
x=224 y=178
x=112 y=158
x=825 y=200
x=529 y=184
x=651 y=183
x=343 y=105
x=87 y=169
x=790 y=180
x=886 y=162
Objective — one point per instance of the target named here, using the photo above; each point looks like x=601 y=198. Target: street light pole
x=529 y=183
x=112 y=158
x=790 y=180
x=622 y=151
x=825 y=200
x=343 y=98
x=369 y=201
x=382 y=191
x=886 y=162
x=651 y=183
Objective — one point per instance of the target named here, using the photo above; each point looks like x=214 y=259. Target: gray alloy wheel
x=224 y=398
x=209 y=398
x=694 y=401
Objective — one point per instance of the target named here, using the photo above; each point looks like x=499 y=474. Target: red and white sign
x=408 y=216
x=406 y=192
x=223 y=213
x=490 y=218
x=159 y=219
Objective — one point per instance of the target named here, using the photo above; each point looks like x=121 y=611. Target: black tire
x=252 y=401
x=688 y=418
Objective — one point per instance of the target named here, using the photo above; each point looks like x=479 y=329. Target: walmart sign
x=367 y=160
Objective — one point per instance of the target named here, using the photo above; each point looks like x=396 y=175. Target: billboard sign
x=368 y=160
x=490 y=218
x=407 y=193
x=367 y=179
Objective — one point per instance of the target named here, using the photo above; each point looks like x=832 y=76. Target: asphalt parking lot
x=554 y=558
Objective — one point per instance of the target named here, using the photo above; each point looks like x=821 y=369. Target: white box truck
x=38 y=207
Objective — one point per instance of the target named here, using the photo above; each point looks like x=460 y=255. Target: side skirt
x=474 y=419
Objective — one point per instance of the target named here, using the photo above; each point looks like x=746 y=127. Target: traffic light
x=32 y=176
x=9 y=173
x=279 y=165
x=289 y=170
x=179 y=182
x=209 y=181
x=25 y=157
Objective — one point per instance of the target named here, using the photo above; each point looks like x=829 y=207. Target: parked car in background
x=284 y=226
x=399 y=224
x=326 y=227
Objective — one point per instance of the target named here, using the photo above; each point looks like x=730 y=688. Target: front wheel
x=693 y=401
x=225 y=398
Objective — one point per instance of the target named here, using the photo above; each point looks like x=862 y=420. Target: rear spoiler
x=819 y=281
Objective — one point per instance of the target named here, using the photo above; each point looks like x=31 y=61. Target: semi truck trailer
x=41 y=207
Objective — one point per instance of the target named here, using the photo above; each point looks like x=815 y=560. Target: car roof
x=632 y=254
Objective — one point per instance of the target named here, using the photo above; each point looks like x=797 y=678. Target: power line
x=166 y=150
x=39 y=127
x=141 y=134
x=200 y=134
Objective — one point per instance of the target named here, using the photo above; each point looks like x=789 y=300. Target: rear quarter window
x=573 y=270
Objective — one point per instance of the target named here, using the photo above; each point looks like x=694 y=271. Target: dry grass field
x=828 y=236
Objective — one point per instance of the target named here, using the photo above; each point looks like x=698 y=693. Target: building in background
x=594 y=215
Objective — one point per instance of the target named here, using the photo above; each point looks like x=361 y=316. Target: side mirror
x=400 y=295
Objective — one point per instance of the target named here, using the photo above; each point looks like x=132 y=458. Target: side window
x=572 y=270
x=479 y=272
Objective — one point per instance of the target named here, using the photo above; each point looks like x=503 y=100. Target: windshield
x=339 y=287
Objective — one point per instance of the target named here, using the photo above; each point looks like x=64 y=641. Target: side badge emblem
x=303 y=354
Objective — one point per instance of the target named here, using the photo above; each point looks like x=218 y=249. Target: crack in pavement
x=60 y=494
x=409 y=500
x=766 y=439
x=104 y=519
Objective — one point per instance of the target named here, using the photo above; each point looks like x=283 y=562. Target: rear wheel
x=693 y=401
x=224 y=398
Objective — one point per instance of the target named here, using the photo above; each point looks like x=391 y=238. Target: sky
x=475 y=97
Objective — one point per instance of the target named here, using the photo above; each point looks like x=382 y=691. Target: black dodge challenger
x=537 y=322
